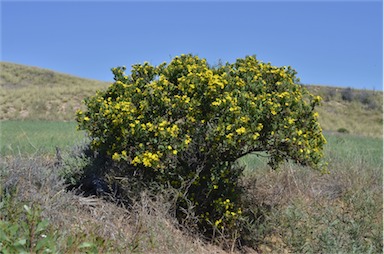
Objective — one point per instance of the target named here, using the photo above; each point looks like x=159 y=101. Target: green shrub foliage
x=186 y=123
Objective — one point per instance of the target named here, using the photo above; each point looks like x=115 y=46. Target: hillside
x=35 y=93
x=349 y=110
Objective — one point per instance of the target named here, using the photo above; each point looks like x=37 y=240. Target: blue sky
x=338 y=43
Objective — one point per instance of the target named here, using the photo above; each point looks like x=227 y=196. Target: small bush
x=330 y=94
x=342 y=130
x=30 y=234
x=368 y=100
x=347 y=94
x=365 y=98
x=185 y=124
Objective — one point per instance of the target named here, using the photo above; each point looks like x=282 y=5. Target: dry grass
x=303 y=212
x=146 y=227
x=298 y=210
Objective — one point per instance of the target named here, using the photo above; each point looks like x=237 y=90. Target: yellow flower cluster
x=230 y=214
x=148 y=159
x=240 y=130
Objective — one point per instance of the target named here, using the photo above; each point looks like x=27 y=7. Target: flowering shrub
x=186 y=123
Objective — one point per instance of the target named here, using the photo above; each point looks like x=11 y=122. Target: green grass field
x=42 y=137
x=37 y=137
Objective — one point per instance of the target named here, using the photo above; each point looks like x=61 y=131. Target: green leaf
x=20 y=242
x=27 y=209
x=42 y=226
x=45 y=244
x=3 y=236
x=86 y=245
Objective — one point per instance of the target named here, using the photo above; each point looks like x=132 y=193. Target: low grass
x=340 y=148
x=37 y=137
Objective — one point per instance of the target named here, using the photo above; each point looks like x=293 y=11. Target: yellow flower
x=163 y=123
x=217 y=223
x=240 y=82
x=149 y=126
x=86 y=118
x=229 y=136
x=147 y=162
x=174 y=152
x=234 y=108
x=191 y=119
x=136 y=161
x=174 y=130
x=255 y=136
x=244 y=119
x=240 y=130
x=318 y=99
x=116 y=157
x=187 y=140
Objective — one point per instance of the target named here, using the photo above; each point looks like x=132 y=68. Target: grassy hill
x=357 y=112
x=35 y=93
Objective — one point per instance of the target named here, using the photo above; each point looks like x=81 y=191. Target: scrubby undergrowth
x=38 y=215
x=295 y=210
